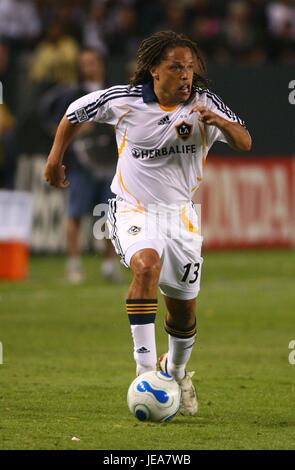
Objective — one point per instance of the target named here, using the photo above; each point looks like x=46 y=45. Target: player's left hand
x=207 y=116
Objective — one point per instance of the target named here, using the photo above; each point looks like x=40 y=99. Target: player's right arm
x=94 y=107
x=55 y=170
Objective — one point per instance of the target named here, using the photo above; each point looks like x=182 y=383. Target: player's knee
x=146 y=264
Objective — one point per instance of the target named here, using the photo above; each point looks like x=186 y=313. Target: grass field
x=68 y=360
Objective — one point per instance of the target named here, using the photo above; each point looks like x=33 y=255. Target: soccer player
x=166 y=120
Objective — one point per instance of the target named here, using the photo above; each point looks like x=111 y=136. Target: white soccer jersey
x=161 y=150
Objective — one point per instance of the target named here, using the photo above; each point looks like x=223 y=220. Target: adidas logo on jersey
x=164 y=120
x=142 y=350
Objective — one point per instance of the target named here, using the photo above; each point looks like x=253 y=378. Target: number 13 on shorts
x=181 y=271
x=191 y=272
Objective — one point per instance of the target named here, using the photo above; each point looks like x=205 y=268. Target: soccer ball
x=154 y=396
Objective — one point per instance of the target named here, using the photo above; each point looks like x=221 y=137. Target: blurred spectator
x=94 y=27
x=205 y=32
x=19 y=21
x=20 y=29
x=90 y=162
x=7 y=148
x=208 y=8
x=281 y=16
x=3 y=59
x=239 y=34
x=149 y=15
x=7 y=76
x=175 y=17
x=71 y=16
x=258 y=13
x=281 y=25
x=122 y=31
x=205 y=25
x=55 y=59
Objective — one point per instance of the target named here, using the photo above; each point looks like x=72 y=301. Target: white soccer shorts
x=172 y=231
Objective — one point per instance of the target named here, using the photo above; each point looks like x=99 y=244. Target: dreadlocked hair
x=152 y=51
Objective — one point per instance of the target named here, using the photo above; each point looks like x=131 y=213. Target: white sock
x=144 y=353
x=179 y=353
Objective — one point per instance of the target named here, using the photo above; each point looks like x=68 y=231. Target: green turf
x=68 y=361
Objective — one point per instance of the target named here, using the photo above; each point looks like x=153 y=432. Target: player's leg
x=180 y=284
x=142 y=253
x=141 y=304
x=180 y=324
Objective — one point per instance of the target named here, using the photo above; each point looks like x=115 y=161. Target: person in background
x=7 y=147
x=55 y=58
x=8 y=153
x=91 y=162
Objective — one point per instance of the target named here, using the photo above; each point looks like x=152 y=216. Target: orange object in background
x=14 y=260
x=15 y=234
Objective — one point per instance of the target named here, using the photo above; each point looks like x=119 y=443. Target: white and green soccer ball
x=154 y=396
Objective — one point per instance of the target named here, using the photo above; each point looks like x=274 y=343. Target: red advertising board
x=248 y=202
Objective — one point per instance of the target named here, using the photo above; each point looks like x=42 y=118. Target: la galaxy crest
x=184 y=130
x=134 y=230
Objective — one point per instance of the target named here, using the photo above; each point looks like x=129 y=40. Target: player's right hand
x=55 y=175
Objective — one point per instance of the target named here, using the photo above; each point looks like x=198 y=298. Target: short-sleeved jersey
x=161 y=150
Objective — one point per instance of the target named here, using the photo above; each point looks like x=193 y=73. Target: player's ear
x=154 y=73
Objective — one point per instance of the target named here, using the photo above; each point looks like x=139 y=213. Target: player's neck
x=164 y=98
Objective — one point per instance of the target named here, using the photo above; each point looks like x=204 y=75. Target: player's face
x=173 y=77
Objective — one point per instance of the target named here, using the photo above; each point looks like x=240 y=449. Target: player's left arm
x=237 y=136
